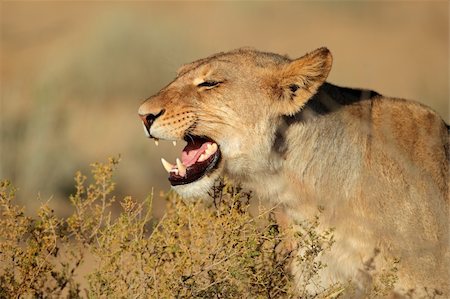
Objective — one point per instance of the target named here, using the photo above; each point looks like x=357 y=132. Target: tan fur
x=378 y=166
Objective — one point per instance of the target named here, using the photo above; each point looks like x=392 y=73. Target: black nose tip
x=149 y=119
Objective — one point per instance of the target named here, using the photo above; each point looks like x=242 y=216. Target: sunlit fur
x=377 y=166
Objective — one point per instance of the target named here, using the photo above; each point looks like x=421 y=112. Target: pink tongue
x=192 y=152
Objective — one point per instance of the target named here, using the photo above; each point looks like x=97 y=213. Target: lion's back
x=406 y=183
x=389 y=158
x=413 y=135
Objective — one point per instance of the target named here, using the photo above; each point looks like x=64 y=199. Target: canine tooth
x=167 y=166
x=201 y=158
x=181 y=168
x=214 y=147
x=174 y=143
x=156 y=142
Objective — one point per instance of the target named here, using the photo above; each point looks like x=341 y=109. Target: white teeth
x=145 y=130
x=202 y=158
x=181 y=168
x=210 y=149
x=167 y=166
x=156 y=142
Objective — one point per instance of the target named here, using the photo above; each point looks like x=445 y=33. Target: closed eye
x=208 y=84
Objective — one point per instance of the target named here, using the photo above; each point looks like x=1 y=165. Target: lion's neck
x=315 y=153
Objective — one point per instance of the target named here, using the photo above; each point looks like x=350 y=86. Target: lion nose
x=149 y=119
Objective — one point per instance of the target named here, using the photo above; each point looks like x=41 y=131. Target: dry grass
x=197 y=250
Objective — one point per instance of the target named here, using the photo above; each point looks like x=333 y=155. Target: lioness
x=378 y=166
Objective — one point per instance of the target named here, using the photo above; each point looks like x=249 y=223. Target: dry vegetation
x=199 y=249
x=196 y=250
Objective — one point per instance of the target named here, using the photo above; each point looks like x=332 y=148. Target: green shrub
x=199 y=249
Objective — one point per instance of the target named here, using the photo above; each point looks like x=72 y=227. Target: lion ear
x=300 y=79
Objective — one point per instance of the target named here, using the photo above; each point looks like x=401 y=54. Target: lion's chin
x=198 y=188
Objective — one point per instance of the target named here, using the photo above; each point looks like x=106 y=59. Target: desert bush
x=199 y=249
x=31 y=261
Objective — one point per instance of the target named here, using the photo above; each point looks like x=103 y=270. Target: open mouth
x=199 y=156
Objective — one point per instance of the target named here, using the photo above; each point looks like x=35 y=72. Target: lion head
x=226 y=107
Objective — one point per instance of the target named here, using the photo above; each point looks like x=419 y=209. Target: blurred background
x=74 y=73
